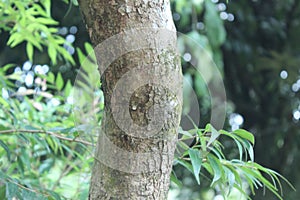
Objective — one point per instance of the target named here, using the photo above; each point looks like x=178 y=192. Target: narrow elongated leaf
x=245 y=134
x=27 y=195
x=266 y=182
x=5 y=147
x=196 y=160
x=230 y=177
x=182 y=146
x=241 y=190
x=90 y=51
x=47 y=5
x=52 y=52
x=15 y=39
x=183 y=132
x=2 y=191
x=46 y=21
x=59 y=82
x=175 y=180
x=237 y=140
x=250 y=151
x=8 y=66
x=3 y=102
x=237 y=177
x=186 y=165
x=68 y=89
x=240 y=148
x=29 y=50
x=214 y=135
x=274 y=174
x=215 y=164
x=12 y=190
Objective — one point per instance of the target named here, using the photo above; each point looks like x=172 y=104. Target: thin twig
x=26 y=188
x=33 y=92
x=48 y=133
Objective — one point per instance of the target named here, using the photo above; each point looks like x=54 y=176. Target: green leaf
x=29 y=127
x=52 y=53
x=50 y=77
x=14 y=76
x=29 y=50
x=12 y=191
x=68 y=88
x=15 y=39
x=250 y=150
x=214 y=135
x=182 y=146
x=218 y=153
x=90 y=51
x=47 y=6
x=245 y=134
x=183 y=132
x=175 y=180
x=46 y=165
x=2 y=175
x=2 y=191
x=20 y=165
x=200 y=85
x=28 y=195
x=81 y=56
x=59 y=82
x=187 y=165
x=8 y=66
x=5 y=147
x=196 y=2
x=230 y=176
x=216 y=166
x=196 y=161
x=25 y=158
x=242 y=191
x=75 y=2
x=239 y=145
x=273 y=173
x=3 y=102
x=46 y=21
x=237 y=176
x=67 y=56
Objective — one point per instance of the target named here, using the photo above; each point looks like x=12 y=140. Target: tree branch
x=47 y=133
x=27 y=188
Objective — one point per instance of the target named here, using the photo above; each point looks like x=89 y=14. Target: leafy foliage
x=40 y=146
x=207 y=153
x=31 y=22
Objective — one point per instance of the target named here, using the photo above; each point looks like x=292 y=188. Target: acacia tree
x=135 y=43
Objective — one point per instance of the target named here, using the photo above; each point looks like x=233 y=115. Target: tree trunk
x=135 y=45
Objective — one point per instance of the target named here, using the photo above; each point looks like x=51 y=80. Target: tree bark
x=135 y=46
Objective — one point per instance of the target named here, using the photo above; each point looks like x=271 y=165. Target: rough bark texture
x=142 y=90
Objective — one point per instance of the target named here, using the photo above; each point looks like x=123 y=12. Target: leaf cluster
x=207 y=153
x=44 y=153
x=31 y=22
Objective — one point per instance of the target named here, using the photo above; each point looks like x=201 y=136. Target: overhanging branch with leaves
x=57 y=135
